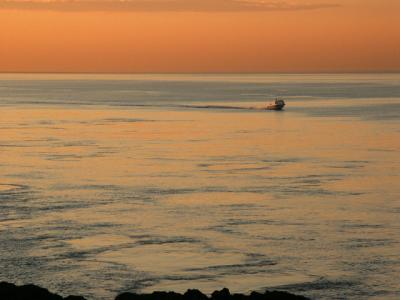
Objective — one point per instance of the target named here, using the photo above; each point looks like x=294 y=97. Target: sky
x=199 y=36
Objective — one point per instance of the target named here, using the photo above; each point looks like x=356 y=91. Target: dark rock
x=282 y=296
x=127 y=296
x=153 y=296
x=221 y=295
x=194 y=295
x=74 y=298
x=167 y=296
x=256 y=296
x=9 y=291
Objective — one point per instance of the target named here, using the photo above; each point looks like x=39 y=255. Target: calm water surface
x=112 y=183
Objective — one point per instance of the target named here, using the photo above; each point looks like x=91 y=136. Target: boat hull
x=275 y=107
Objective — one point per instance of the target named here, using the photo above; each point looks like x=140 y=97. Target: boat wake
x=200 y=106
x=220 y=107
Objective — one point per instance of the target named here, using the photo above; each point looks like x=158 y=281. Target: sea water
x=113 y=183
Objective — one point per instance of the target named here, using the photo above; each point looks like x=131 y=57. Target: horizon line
x=199 y=73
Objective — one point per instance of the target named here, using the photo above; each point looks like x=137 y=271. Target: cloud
x=161 y=5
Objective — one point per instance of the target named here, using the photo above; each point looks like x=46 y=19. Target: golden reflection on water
x=205 y=199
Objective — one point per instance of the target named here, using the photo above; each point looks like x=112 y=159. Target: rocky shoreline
x=9 y=291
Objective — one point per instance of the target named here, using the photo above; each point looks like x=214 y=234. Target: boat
x=279 y=104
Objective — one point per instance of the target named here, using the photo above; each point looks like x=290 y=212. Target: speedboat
x=279 y=104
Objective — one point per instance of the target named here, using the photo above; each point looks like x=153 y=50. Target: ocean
x=114 y=183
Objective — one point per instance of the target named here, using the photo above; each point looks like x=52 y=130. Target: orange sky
x=199 y=36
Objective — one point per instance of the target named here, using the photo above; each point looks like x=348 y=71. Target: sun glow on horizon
x=199 y=36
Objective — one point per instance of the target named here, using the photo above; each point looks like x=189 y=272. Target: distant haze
x=200 y=36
